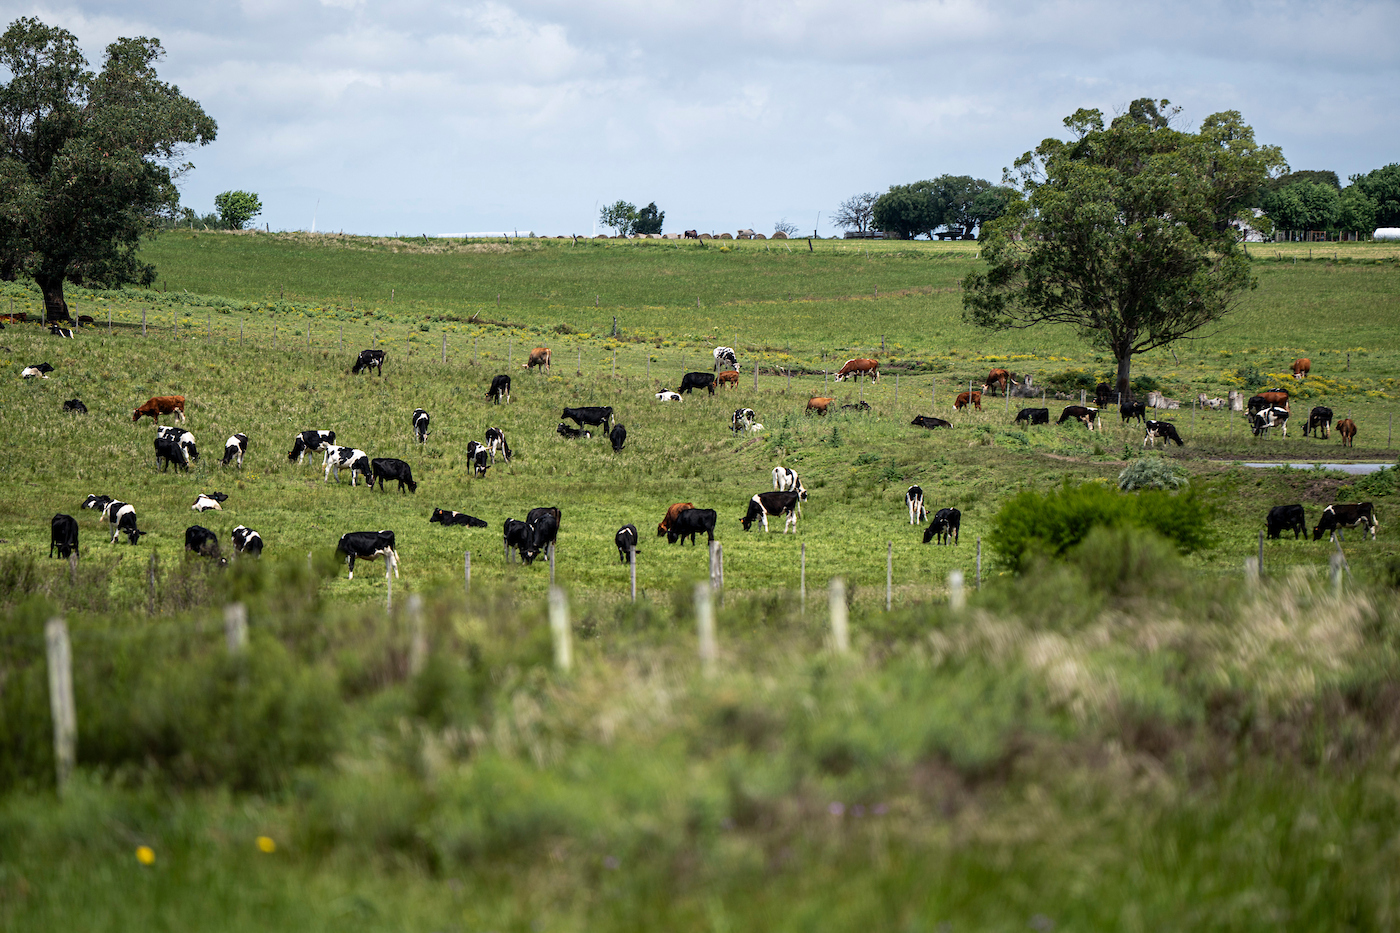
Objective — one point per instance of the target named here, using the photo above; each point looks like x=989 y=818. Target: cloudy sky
x=418 y=117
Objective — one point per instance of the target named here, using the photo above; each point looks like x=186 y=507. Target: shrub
x=1152 y=473
x=1144 y=384
x=1380 y=483
x=1251 y=377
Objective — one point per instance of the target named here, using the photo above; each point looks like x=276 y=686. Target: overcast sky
x=418 y=117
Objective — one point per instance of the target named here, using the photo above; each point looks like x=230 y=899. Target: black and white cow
x=247 y=541
x=496 y=442
x=75 y=405
x=98 y=504
x=202 y=541
x=209 y=501
x=63 y=535
x=122 y=518
x=1033 y=416
x=500 y=389
x=1283 y=518
x=448 y=517
x=234 y=449
x=182 y=437
x=479 y=456
x=60 y=331
x=617 y=437
x=667 y=395
x=689 y=523
x=368 y=545
x=1163 y=431
x=600 y=416
x=741 y=419
x=1319 y=423
x=626 y=541
x=420 y=425
x=764 y=504
x=168 y=452
x=572 y=433
x=41 y=370
x=1086 y=416
x=388 y=468
x=516 y=534
x=914 y=498
x=787 y=480
x=369 y=359
x=697 y=381
x=944 y=526
x=725 y=358
x=1338 y=516
x=930 y=422
x=352 y=458
x=1130 y=410
x=1267 y=418
x=310 y=442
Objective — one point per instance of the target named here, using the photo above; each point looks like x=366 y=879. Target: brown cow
x=1347 y=429
x=998 y=379
x=819 y=405
x=966 y=398
x=161 y=405
x=1301 y=368
x=860 y=367
x=671 y=514
x=1269 y=398
x=728 y=377
x=538 y=357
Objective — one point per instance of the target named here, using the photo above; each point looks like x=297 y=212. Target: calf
x=1347 y=429
x=574 y=433
x=122 y=517
x=1161 y=430
x=764 y=504
x=367 y=360
x=445 y=517
x=725 y=356
x=626 y=541
x=1086 y=415
x=727 y=378
x=368 y=545
x=819 y=404
x=691 y=522
x=914 y=498
x=1338 y=516
x=500 y=389
x=1031 y=416
x=1319 y=423
x=387 y=468
x=479 y=456
x=668 y=396
x=697 y=381
x=617 y=437
x=168 y=452
x=858 y=406
x=945 y=526
x=1267 y=418
x=600 y=416
x=860 y=367
x=538 y=357
x=201 y=541
x=671 y=513
x=309 y=442
x=1301 y=368
x=741 y=419
x=63 y=535
x=247 y=541
x=930 y=422
x=234 y=449
x=1130 y=410
x=60 y=331
x=161 y=405
x=75 y=405
x=420 y=425
x=41 y=370
x=1283 y=518
x=209 y=501
x=354 y=459
x=496 y=442
x=516 y=534
x=966 y=398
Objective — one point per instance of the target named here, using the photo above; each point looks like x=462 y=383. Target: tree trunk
x=55 y=308
x=1125 y=371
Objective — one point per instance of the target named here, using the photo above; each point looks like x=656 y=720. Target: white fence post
x=65 y=721
x=957 y=598
x=559 y=627
x=632 y=560
x=705 y=625
x=418 y=643
x=236 y=627
x=840 y=627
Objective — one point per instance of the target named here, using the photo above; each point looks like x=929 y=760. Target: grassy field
x=1133 y=739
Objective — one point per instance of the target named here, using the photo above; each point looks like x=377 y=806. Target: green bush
x=1380 y=483
x=1144 y=384
x=1152 y=473
x=1251 y=376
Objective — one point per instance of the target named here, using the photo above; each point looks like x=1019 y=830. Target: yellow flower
x=145 y=855
x=266 y=844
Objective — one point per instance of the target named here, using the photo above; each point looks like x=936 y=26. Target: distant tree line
x=1316 y=201
x=956 y=205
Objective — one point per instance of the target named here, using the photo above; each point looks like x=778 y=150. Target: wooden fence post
x=979 y=562
x=467 y=573
x=65 y=720
x=705 y=628
x=889 y=575
x=73 y=568
x=957 y=599
x=143 y=322
x=840 y=626
x=551 y=564
x=389 y=581
x=803 y=580
x=151 y=585
x=632 y=561
x=236 y=627
x=444 y=348
x=418 y=639
x=559 y=628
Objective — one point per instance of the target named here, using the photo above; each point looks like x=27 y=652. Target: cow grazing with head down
x=310 y=442
x=968 y=398
x=1031 y=416
x=945 y=526
x=1347 y=429
x=854 y=369
x=63 y=535
x=1338 y=516
x=1319 y=423
x=819 y=404
x=75 y=405
x=697 y=381
x=692 y=235
x=181 y=437
x=667 y=395
x=691 y=522
x=161 y=405
x=626 y=541
x=617 y=437
x=390 y=469
x=764 y=504
x=591 y=415
x=1283 y=518
x=247 y=541
x=209 y=502
x=367 y=360
x=726 y=358
x=448 y=517
x=674 y=510
x=1301 y=368
x=538 y=357
x=1266 y=418
x=200 y=540
x=544 y=528
x=1080 y=413
x=122 y=518
x=496 y=442
x=997 y=381
x=500 y=389
x=368 y=545
x=930 y=422
x=420 y=425
x=234 y=449
x=516 y=535
x=1163 y=431
x=169 y=451
x=352 y=458
x=914 y=498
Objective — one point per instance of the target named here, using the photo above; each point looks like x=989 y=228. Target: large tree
x=87 y=161
x=909 y=210
x=1382 y=186
x=856 y=212
x=1124 y=231
x=649 y=219
x=620 y=216
x=236 y=208
x=1304 y=205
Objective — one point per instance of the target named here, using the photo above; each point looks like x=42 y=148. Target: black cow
x=1130 y=410
x=544 y=528
x=234 y=449
x=1033 y=416
x=500 y=389
x=1339 y=516
x=496 y=441
x=617 y=437
x=387 y=468
x=122 y=518
x=689 y=523
x=1163 y=430
x=168 y=452
x=697 y=381
x=536 y=514
x=1283 y=518
x=75 y=405
x=625 y=539
x=945 y=525
x=247 y=541
x=63 y=535
x=1105 y=394
x=420 y=425
x=367 y=545
x=516 y=534
x=858 y=406
x=369 y=359
x=930 y=422
x=202 y=541
x=602 y=417
x=914 y=498
x=1079 y=412
x=573 y=433
x=764 y=504
x=310 y=442
x=447 y=517
x=1319 y=423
